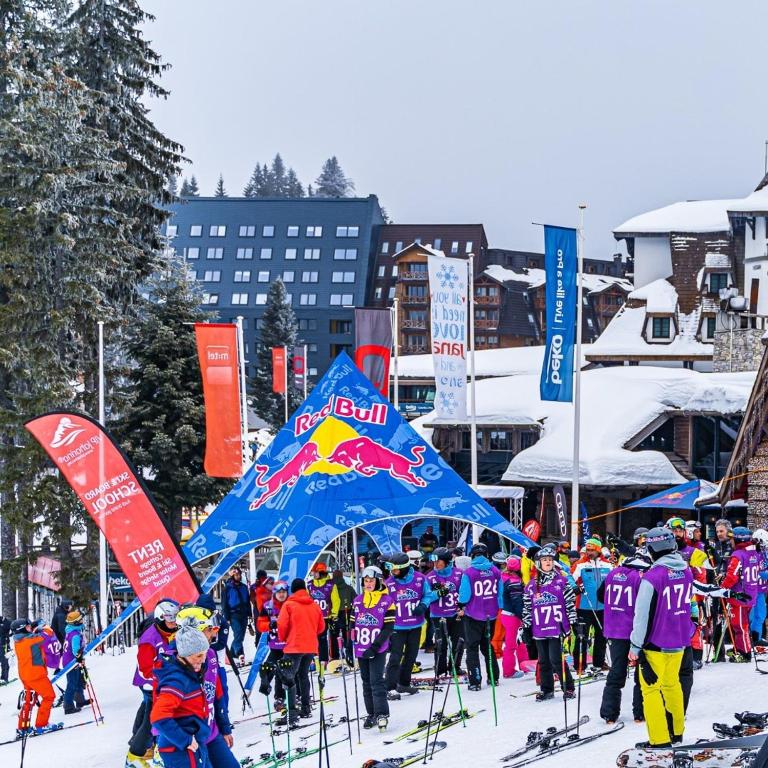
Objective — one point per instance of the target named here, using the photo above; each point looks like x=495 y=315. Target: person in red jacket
x=260 y=592
x=298 y=626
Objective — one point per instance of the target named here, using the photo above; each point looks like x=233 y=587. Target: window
x=196 y=230
x=265 y=253
x=308 y=324
x=239 y=298
x=312 y=371
x=289 y=298
x=417 y=240
x=391 y=293
x=191 y=274
x=415 y=291
x=717 y=281
x=268 y=231
x=293 y=230
x=660 y=328
x=377 y=293
x=398 y=246
x=308 y=299
x=243 y=276
x=343 y=277
x=215 y=253
x=341 y=299
x=340 y=326
x=382 y=271
x=263 y=277
x=311 y=347
x=527 y=439
x=708 y=328
x=312 y=254
x=309 y=277
x=314 y=231
x=468 y=248
x=245 y=253
x=247 y=230
x=290 y=253
x=288 y=276
x=437 y=243
x=493 y=340
x=217 y=230
x=171 y=230
x=347 y=231
x=210 y=298
x=192 y=253
x=345 y=254
x=454 y=247
x=385 y=247
x=394 y=270
x=212 y=276
x=261 y=299
x=500 y=441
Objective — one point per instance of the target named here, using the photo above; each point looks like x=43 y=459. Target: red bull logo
x=336 y=448
x=342 y=406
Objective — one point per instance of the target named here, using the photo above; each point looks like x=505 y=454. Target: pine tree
x=163 y=425
x=220 y=191
x=252 y=187
x=278 y=177
x=293 y=185
x=332 y=182
x=194 y=189
x=184 y=191
x=173 y=185
x=279 y=328
x=264 y=184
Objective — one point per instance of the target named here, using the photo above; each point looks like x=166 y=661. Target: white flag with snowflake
x=449 y=320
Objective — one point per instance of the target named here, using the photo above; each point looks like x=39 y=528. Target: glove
x=331 y=624
x=526 y=635
x=612 y=538
x=742 y=597
x=580 y=629
x=579 y=589
x=441 y=590
x=421 y=609
x=273 y=623
x=370 y=653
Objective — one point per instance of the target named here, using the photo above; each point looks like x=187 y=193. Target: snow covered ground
x=719 y=691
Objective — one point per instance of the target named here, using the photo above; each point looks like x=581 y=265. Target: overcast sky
x=502 y=112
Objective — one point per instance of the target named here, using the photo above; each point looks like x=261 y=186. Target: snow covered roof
x=617 y=403
x=660 y=297
x=717 y=260
x=536 y=277
x=428 y=248
x=693 y=216
x=757 y=201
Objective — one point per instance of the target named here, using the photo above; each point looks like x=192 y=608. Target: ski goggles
x=280 y=586
x=676 y=523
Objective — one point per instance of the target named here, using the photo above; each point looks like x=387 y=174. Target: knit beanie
x=190 y=641
x=73 y=617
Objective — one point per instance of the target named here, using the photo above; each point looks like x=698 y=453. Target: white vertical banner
x=449 y=315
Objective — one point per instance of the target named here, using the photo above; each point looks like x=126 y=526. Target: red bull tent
x=345 y=459
x=681 y=497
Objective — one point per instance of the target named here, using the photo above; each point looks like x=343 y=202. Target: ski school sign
x=561 y=266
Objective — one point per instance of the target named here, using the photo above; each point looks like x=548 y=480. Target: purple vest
x=749 y=574
x=67 y=654
x=210 y=678
x=484 y=586
x=406 y=598
x=321 y=595
x=671 y=626
x=368 y=623
x=273 y=642
x=549 y=614
x=51 y=650
x=621 y=586
x=446 y=606
x=152 y=636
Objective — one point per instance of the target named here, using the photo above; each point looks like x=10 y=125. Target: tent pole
x=244 y=426
x=396 y=347
x=356 y=564
x=476 y=529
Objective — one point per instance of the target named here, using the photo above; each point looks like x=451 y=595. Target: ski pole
x=357 y=701
x=323 y=731
x=292 y=688
x=562 y=679
x=26 y=722
x=271 y=729
x=579 y=631
x=453 y=655
x=233 y=664
x=438 y=644
x=95 y=707
x=439 y=716
x=340 y=643
x=491 y=659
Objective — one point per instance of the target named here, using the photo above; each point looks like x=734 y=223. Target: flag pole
x=306 y=371
x=285 y=380
x=476 y=529
x=577 y=384
x=103 y=594
x=244 y=426
x=396 y=347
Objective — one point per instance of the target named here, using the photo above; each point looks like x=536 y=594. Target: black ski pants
x=477 y=638
x=593 y=619
x=295 y=673
x=550 y=652
x=452 y=630
x=374 y=687
x=686 y=682
x=403 y=650
x=610 y=706
x=342 y=627
x=269 y=672
x=141 y=739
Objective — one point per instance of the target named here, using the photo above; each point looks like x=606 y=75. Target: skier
x=661 y=630
x=412 y=596
x=428 y=542
x=236 y=607
x=742 y=574
x=511 y=616
x=73 y=651
x=271 y=610
x=549 y=611
x=180 y=712
x=260 y=591
x=619 y=594
x=479 y=603
x=59 y=619
x=219 y=742
x=757 y=615
x=28 y=646
x=719 y=551
x=373 y=614
x=319 y=587
x=155 y=640
x=444 y=579
x=342 y=597
x=693 y=534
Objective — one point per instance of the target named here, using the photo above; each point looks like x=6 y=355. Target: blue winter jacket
x=236 y=600
x=512 y=597
x=590 y=574
x=428 y=597
x=465 y=588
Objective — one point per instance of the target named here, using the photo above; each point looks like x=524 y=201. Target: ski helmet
x=660 y=541
x=640 y=561
x=462 y=562
x=280 y=586
x=371 y=572
x=442 y=553
x=675 y=523
x=741 y=534
x=166 y=610
x=499 y=558
x=198 y=618
x=414 y=556
x=18 y=625
x=478 y=550
x=639 y=533
x=397 y=561
x=546 y=551
x=760 y=536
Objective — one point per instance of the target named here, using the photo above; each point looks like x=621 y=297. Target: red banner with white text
x=217 y=352
x=107 y=485
x=278 y=370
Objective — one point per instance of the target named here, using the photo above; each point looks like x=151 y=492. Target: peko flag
x=107 y=485
x=299 y=365
x=217 y=352
x=373 y=346
x=560 y=264
x=278 y=370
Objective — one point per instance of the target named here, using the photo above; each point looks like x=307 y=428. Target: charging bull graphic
x=367 y=457
x=286 y=476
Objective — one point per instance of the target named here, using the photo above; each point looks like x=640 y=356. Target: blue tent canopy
x=681 y=497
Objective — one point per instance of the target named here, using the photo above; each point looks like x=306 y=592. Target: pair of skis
x=285 y=757
x=706 y=754
x=61 y=727
x=439 y=722
x=538 y=739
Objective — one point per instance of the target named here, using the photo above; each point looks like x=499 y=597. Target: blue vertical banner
x=586 y=531
x=560 y=263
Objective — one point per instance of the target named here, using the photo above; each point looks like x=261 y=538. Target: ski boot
x=382 y=721
x=47 y=728
x=279 y=705
x=570 y=695
x=409 y=689
x=369 y=722
x=305 y=712
x=754 y=719
x=541 y=696
x=725 y=731
x=393 y=696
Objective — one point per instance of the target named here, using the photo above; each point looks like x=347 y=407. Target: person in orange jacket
x=299 y=624
x=261 y=593
x=33 y=674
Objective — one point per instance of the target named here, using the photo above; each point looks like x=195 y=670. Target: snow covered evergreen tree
x=332 y=182
x=220 y=191
x=293 y=187
x=252 y=187
x=173 y=185
x=194 y=189
x=184 y=191
x=278 y=177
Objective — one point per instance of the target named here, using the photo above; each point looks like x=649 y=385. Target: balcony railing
x=486 y=323
x=487 y=299
x=413 y=349
x=420 y=324
x=415 y=299
x=421 y=276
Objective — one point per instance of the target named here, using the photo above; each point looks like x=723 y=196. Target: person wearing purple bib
x=412 y=596
x=480 y=599
x=661 y=631
x=742 y=575
x=757 y=615
x=445 y=579
x=373 y=620
x=73 y=651
x=549 y=611
x=320 y=586
x=271 y=609
x=618 y=593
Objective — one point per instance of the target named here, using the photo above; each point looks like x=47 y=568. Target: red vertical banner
x=217 y=352
x=107 y=485
x=278 y=370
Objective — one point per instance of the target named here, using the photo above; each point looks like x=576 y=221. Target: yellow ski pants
x=665 y=695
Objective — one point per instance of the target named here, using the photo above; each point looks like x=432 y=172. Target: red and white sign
x=278 y=370
x=107 y=485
